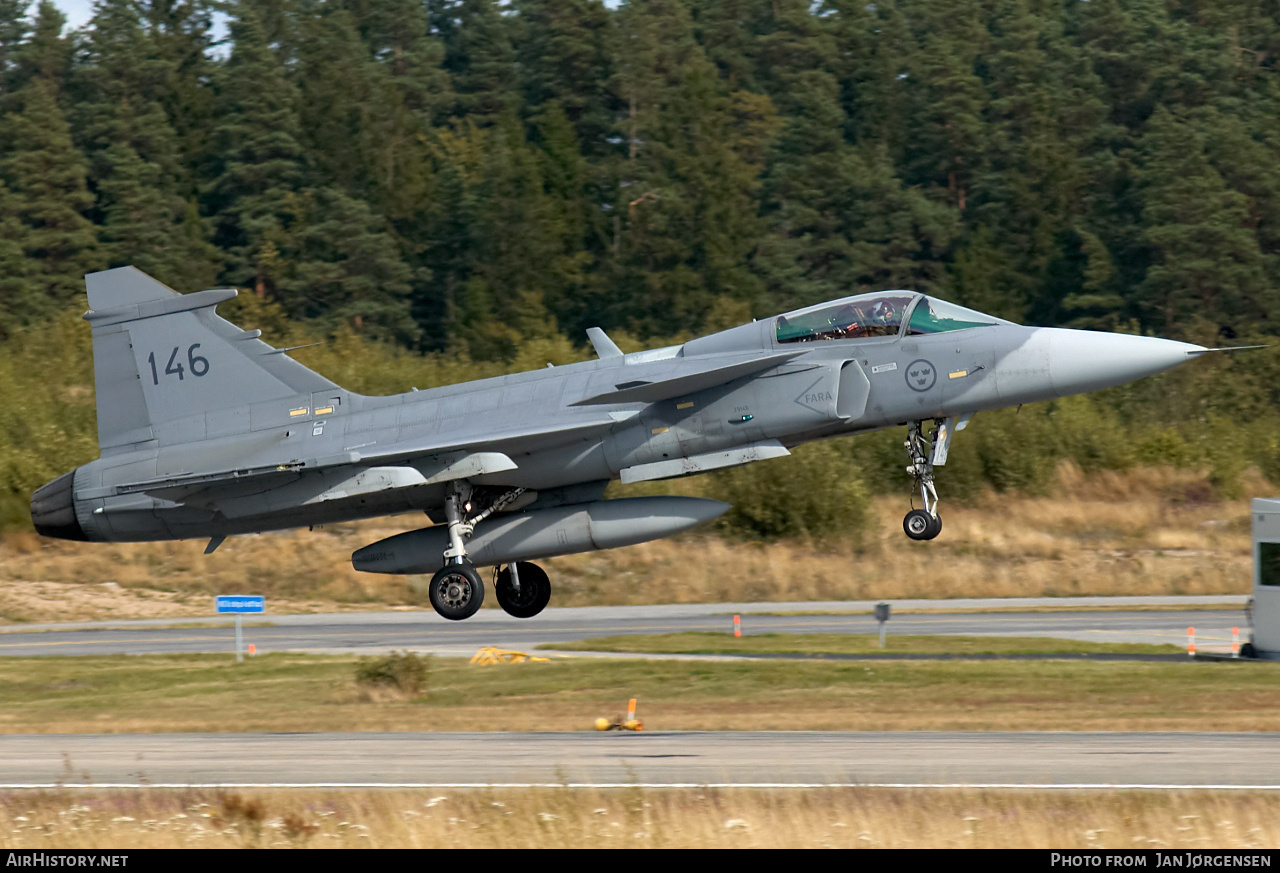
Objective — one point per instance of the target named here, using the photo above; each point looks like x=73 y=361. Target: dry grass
x=1154 y=531
x=640 y=818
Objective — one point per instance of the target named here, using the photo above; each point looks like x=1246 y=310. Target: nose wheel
x=920 y=525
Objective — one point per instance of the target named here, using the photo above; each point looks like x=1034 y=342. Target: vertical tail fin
x=163 y=360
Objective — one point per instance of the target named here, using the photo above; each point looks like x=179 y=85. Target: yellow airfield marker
x=492 y=655
x=629 y=723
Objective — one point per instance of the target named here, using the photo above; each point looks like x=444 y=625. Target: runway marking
x=543 y=629
x=376 y=633
x=1019 y=786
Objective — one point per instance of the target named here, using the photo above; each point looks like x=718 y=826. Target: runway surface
x=424 y=631
x=659 y=758
x=677 y=758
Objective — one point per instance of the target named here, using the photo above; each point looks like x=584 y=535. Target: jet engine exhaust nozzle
x=53 y=510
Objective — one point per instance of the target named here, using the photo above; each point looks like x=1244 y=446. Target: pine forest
x=439 y=190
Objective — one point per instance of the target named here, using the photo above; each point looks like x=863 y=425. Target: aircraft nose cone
x=1085 y=360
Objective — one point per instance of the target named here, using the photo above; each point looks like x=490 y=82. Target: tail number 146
x=197 y=364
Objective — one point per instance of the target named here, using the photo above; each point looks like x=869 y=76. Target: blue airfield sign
x=240 y=603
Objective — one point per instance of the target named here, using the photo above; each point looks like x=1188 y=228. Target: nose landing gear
x=925 y=524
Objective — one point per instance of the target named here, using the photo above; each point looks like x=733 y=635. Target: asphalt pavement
x=1057 y=760
x=774 y=758
x=1115 y=619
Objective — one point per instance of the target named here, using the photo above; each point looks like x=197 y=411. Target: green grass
x=709 y=643
x=293 y=692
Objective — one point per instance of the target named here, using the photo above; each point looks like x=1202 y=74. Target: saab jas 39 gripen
x=207 y=431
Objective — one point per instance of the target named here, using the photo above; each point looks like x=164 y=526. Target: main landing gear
x=523 y=589
x=925 y=524
x=456 y=592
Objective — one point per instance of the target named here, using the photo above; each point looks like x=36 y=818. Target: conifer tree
x=45 y=175
x=841 y=220
x=146 y=225
x=563 y=55
x=1032 y=195
x=181 y=39
x=495 y=167
x=141 y=178
x=20 y=300
x=46 y=53
x=571 y=186
x=945 y=150
x=1204 y=259
x=479 y=55
x=13 y=30
x=728 y=31
x=336 y=94
x=685 y=216
x=334 y=263
x=258 y=160
x=410 y=95
x=505 y=238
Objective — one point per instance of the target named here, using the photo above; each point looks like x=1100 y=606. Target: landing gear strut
x=925 y=524
x=456 y=589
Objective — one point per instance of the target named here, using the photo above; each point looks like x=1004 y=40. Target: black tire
x=456 y=591
x=534 y=593
x=919 y=525
x=935 y=527
x=1248 y=651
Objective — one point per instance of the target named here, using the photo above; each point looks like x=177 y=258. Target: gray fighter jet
x=207 y=431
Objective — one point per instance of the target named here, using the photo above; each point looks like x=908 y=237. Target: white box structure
x=1266 y=578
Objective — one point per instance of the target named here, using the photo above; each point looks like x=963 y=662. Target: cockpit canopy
x=882 y=314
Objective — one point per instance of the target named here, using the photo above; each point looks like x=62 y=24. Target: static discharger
x=492 y=655
x=629 y=723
